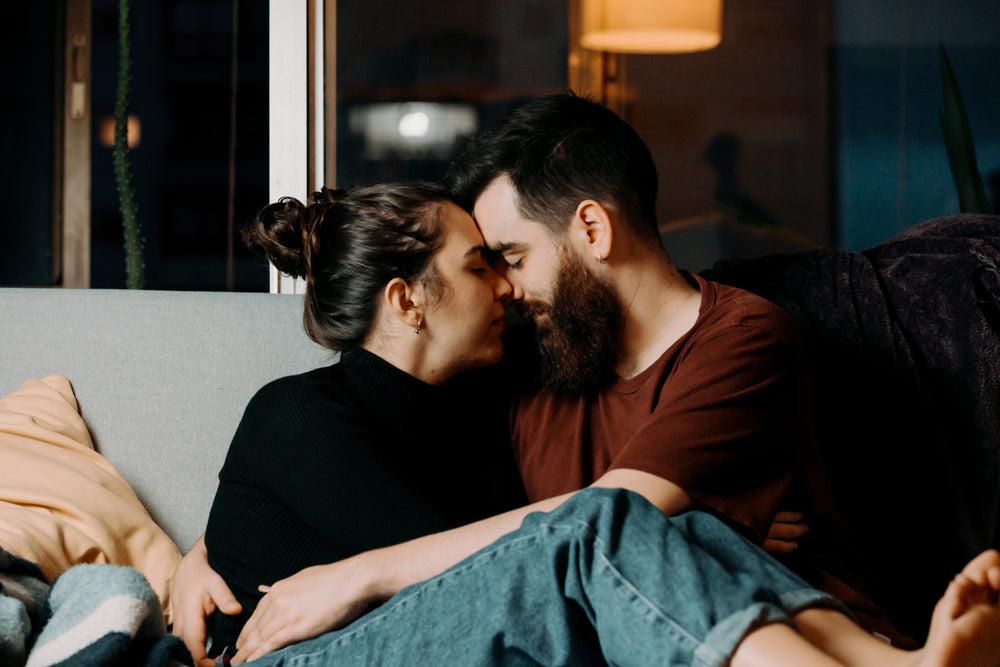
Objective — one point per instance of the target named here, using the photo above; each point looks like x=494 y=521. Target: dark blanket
x=904 y=345
x=91 y=616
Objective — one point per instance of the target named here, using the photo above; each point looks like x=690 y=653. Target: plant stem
x=135 y=267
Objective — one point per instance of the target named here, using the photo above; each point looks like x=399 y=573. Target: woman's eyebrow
x=480 y=250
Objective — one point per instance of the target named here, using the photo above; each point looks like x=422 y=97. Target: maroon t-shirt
x=722 y=414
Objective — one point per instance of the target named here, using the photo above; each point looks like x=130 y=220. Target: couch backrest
x=162 y=378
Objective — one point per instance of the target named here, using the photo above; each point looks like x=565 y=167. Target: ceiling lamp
x=651 y=26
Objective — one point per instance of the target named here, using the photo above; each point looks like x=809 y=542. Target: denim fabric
x=604 y=579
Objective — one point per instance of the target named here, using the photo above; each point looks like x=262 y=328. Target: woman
x=398 y=281
x=331 y=462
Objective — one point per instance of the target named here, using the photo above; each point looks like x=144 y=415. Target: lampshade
x=651 y=26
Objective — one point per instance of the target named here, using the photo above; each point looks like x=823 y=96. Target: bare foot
x=965 y=626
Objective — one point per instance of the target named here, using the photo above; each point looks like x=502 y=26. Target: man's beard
x=578 y=343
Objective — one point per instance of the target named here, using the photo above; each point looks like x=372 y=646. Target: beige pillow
x=62 y=503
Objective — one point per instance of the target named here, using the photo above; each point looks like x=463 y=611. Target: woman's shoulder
x=320 y=386
x=294 y=412
x=300 y=381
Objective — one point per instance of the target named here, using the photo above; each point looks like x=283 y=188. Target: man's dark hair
x=558 y=151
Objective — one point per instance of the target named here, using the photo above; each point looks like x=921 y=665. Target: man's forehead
x=496 y=206
x=501 y=222
x=501 y=233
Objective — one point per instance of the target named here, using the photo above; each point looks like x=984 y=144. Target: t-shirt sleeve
x=726 y=424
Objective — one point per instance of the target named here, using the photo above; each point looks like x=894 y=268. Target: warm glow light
x=651 y=26
x=106 y=131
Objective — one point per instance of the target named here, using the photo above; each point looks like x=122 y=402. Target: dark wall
x=26 y=146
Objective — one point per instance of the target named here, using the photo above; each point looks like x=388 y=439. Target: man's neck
x=660 y=307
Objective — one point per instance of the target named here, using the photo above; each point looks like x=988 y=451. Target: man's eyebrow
x=501 y=248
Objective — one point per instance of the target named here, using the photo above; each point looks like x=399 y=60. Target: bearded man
x=649 y=378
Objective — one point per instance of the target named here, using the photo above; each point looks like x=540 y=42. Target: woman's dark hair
x=348 y=245
x=558 y=151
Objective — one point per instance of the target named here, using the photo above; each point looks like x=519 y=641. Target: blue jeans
x=605 y=578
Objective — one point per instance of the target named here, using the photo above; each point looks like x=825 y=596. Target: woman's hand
x=197 y=592
x=786 y=528
x=307 y=604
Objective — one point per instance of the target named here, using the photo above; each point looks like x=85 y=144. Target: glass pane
x=26 y=236
x=181 y=79
x=415 y=80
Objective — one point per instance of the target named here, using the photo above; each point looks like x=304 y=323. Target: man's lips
x=534 y=312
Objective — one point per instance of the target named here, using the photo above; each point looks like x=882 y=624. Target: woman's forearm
x=393 y=568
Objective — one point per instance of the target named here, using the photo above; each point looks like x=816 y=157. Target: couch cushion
x=62 y=503
x=162 y=378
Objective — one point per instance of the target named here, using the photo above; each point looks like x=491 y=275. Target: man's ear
x=405 y=302
x=591 y=229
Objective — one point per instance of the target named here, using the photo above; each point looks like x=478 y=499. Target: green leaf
x=958 y=142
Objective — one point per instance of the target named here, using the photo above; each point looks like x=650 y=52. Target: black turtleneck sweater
x=347 y=458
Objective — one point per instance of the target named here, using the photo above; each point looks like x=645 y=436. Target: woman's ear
x=405 y=302
x=591 y=229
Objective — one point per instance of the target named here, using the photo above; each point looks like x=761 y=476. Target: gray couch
x=162 y=378
x=903 y=340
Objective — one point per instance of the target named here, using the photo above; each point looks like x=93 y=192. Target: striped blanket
x=91 y=615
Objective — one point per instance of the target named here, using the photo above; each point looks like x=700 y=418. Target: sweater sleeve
x=304 y=484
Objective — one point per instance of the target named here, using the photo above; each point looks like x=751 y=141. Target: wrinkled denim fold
x=605 y=578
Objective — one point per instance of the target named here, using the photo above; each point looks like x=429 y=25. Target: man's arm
x=326 y=597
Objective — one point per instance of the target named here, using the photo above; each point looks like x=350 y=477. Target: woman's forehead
x=461 y=232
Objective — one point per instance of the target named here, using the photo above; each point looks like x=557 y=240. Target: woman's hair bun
x=287 y=230
x=349 y=244
x=327 y=195
x=277 y=230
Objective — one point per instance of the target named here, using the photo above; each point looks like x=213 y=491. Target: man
x=652 y=380
x=685 y=391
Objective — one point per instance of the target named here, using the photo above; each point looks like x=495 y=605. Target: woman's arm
x=326 y=597
x=197 y=592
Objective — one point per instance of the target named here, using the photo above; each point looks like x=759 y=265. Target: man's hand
x=197 y=592
x=786 y=528
x=307 y=604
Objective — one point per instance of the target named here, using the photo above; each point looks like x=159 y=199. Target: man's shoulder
x=734 y=306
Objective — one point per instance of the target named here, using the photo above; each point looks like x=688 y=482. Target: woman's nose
x=504 y=290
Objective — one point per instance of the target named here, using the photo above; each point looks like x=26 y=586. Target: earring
x=601 y=260
x=417 y=331
x=419 y=324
